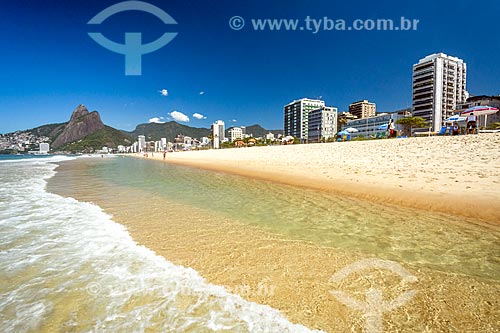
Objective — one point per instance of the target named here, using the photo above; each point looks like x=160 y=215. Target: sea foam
x=67 y=264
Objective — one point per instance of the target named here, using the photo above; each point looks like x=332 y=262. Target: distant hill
x=104 y=137
x=84 y=132
x=170 y=130
x=51 y=131
x=257 y=131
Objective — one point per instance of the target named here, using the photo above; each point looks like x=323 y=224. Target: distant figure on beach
x=471 y=123
x=164 y=154
x=390 y=128
x=455 y=130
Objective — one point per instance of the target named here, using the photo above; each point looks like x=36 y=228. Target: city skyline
x=210 y=72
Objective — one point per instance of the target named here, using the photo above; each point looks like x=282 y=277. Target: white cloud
x=233 y=120
x=202 y=93
x=199 y=116
x=164 y=92
x=179 y=116
x=156 y=120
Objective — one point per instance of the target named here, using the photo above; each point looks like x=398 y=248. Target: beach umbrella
x=455 y=118
x=383 y=127
x=351 y=130
x=479 y=111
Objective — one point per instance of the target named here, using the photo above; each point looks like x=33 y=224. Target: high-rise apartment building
x=44 y=148
x=141 y=139
x=218 y=133
x=439 y=86
x=235 y=133
x=363 y=109
x=163 y=143
x=296 y=116
x=322 y=124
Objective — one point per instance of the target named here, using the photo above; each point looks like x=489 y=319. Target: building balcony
x=423 y=79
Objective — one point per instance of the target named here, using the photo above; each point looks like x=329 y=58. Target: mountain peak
x=81 y=124
x=80 y=111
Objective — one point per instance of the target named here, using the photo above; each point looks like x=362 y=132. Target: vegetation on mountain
x=169 y=130
x=257 y=131
x=51 y=131
x=106 y=137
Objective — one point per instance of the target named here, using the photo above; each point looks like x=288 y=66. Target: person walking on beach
x=471 y=123
x=390 y=129
x=164 y=154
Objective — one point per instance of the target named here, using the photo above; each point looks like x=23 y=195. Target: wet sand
x=457 y=175
x=292 y=276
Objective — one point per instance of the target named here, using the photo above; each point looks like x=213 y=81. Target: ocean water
x=66 y=266
x=419 y=238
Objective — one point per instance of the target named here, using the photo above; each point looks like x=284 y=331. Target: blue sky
x=50 y=64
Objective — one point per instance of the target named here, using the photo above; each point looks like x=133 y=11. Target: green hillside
x=107 y=136
x=170 y=130
x=49 y=130
x=257 y=131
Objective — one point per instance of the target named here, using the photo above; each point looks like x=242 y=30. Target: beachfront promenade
x=457 y=175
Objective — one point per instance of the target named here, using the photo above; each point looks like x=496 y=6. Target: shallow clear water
x=66 y=266
x=438 y=241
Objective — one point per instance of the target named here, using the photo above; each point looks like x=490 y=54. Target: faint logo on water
x=133 y=49
x=262 y=289
x=374 y=305
x=93 y=288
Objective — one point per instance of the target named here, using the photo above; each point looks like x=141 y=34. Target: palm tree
x=341 y=122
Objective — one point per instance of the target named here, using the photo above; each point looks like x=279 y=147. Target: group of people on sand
x=469 y=129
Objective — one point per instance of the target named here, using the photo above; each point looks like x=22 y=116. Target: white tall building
x=44 y=148
x=141 y=141
x=218 y=133
x=439 y=86
x=322 y=123
x=235 y=133
x=135 y=147
x=296 y=116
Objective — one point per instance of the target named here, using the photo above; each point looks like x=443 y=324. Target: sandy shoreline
x=453 y=175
